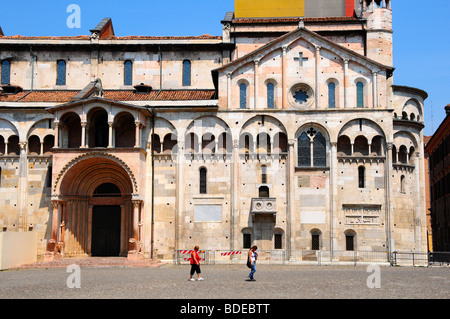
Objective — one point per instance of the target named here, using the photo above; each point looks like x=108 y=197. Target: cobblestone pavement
x=228 y=281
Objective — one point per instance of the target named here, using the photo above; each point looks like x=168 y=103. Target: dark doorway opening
x=106 y=231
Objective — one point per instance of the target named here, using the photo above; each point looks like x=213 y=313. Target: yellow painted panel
x=269 y=8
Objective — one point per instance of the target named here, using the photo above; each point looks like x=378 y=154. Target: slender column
x=179 y=193
x=137 y=142
x=418 y=207
x=56 y=134
x=110 y=135
x=375 y=90
x=291 y=196
x=389 y=218
x=55 y=219
x=333 y=195
x=136 y=206
x=255 y=103
x=283 y=77
x=317 y=77
x=42 y=149
x=229 y=90
x=89 y=234
x=346 y=104
x=83 y=134
x=235 y=197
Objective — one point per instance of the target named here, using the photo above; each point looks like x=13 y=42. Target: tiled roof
x=114 y=95
x=113 y=37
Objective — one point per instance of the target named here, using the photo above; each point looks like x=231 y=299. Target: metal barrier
x=315 y=257
x=407 y=258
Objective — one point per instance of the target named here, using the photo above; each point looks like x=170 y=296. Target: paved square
x=229 y=281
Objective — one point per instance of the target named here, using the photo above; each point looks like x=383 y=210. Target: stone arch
x=263 y=124
x=66 y=182
x=124 y=130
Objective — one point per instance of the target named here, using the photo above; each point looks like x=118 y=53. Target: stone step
x=93 y=262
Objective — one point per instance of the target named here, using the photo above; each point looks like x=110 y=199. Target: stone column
x=110 y=135
x=229 y=90
x=256 y=84
x=179 y=194
x=136 y=206
x=55 y=219
x=346 y=101
x=290 y=201
x=235 y=197
x=83 y=134
x=283 y=77
x=420 y=211
x=137 y=138
x=317 y=77
x=375 y=90
x=388 y=195
x=23 y=187
x=56 y=134
x=333 y=195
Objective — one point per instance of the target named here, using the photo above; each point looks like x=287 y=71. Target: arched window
x=6 y=72
x=128 y=73
x=402 y=184
x=186 y=73
x=202 y=180
x=311 y=149
x=360 y=94
x=319 y=150
x=304 y=150
x=270 y=95
x=361 y=176
x=263 y=174
x=350 y=239
x=61 y=72
x=315 y=239
x=243 y=95
x=331 y=95
x=263 y=191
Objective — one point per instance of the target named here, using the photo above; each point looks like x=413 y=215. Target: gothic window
x=359 y=94
x=331 y=95
x=61 y=72
x=243 y=95
x=270 y=95
x=361 y=176
x=186 y=73
x=319 y=150
x=202 y=180
x=311 y=149
x=304 y=150
x=6 y=72
x=128 y=73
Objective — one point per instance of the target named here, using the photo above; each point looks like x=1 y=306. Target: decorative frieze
x=362 y=214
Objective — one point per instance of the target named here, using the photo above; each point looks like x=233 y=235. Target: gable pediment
x=300 y=45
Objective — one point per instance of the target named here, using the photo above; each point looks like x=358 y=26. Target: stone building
x=284 y=132
x=438 y=150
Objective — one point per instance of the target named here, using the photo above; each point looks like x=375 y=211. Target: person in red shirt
x=195 y=264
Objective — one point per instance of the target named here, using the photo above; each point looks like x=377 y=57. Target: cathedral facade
x=287 y=133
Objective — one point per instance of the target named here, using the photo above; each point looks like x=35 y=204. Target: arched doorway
x=106 y=223
x=96 y=207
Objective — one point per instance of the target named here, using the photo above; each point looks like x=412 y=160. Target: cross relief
x=301 y=59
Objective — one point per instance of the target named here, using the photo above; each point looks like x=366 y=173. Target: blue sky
x=421 y=33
